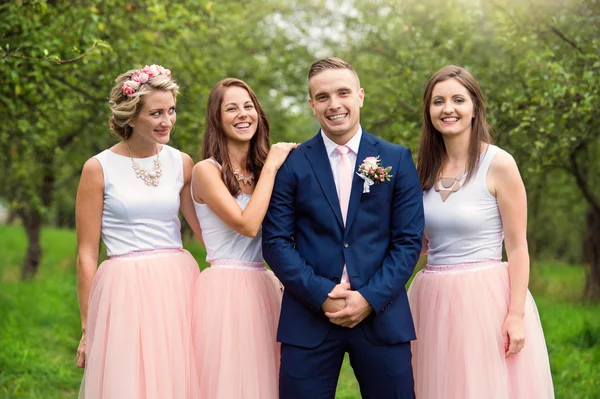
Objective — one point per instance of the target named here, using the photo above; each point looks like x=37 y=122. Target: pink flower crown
x=141 y=76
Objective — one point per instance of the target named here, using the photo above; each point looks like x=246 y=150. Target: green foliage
x=40 y=324
x=59 y=104
x=537 y=62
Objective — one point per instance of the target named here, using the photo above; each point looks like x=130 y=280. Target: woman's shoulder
x=98 y=161
x=208 y=163
x=93 y=164
x=207 y=167
x=503 y=172
x=93 y=171
x=501 y=159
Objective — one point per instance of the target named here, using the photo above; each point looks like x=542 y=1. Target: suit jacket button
x=336 y=280
x=346 y=245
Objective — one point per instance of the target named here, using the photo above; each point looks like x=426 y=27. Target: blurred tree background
x=537 y=62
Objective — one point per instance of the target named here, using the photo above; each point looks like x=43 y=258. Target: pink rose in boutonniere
x=372 y=172
x=370 y=163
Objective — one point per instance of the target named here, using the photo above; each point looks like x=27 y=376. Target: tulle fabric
x=459 y=311
x=139 y=328
x=236 y=312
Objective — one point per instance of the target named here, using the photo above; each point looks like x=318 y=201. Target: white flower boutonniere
x=372 y=172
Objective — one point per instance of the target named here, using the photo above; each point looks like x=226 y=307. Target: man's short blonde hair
x=325 y=64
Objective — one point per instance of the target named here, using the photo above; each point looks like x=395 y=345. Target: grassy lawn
x=39 y=324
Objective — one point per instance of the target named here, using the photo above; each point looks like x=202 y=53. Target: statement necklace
x=151 y=178
x=243 y=179
x=448 y=185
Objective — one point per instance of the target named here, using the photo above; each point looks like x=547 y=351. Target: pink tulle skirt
x=459 y=311
x=138 y=338
x=236 y=311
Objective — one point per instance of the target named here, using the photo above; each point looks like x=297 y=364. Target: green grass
x=39 y=323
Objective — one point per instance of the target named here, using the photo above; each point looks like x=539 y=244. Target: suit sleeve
x=406 y=237
x=279 y=249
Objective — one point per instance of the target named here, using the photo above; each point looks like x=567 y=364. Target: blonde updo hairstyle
x=125 y=108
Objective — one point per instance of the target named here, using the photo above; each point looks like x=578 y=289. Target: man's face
x=336 y=99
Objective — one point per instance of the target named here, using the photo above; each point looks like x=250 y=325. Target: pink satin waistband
x=151 y=253
x=238 y=264
x=462 y=267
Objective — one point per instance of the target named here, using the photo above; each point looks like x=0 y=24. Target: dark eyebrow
x=454 y=95
x=228 y=104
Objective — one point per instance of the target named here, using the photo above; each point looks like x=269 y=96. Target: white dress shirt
x=334 y=156
x=334 y=160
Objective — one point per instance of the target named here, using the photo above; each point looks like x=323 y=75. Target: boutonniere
x=372 y=172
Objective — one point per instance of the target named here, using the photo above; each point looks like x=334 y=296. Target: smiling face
x=451 y=108
x=238 y=114
x=336 y=99
x=156 y=118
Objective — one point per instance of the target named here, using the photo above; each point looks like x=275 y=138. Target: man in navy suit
x=344 y=246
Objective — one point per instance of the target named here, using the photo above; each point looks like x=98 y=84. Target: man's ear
x=310 y=102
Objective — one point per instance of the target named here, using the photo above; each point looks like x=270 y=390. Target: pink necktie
x=344 y=179
x=344 y=188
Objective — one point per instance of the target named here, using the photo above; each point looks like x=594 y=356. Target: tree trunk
x=591 y=253
x=32 y=222
x=591 y=241
x=536 y=194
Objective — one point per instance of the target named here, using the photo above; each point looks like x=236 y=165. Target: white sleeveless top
x=137 y=217
x=221 y=241
x=467 y=227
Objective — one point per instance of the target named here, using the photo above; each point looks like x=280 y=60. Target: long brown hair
x=214 y=144
x=432 y=151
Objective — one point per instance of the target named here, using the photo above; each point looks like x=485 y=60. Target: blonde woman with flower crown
x=136 y=306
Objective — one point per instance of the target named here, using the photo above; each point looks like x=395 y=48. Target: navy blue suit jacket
x=306 y=244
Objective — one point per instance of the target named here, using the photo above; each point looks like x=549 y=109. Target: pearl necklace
x=151 y=178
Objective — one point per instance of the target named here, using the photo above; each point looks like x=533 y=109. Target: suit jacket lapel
x=368 y=148
x=319 y=160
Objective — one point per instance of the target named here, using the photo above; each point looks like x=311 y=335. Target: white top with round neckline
x=137 y=217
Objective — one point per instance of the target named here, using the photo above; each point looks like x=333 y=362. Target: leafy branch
x=565 y=38
x=52 y=58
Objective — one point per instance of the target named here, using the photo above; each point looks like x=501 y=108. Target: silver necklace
x=151 y=178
